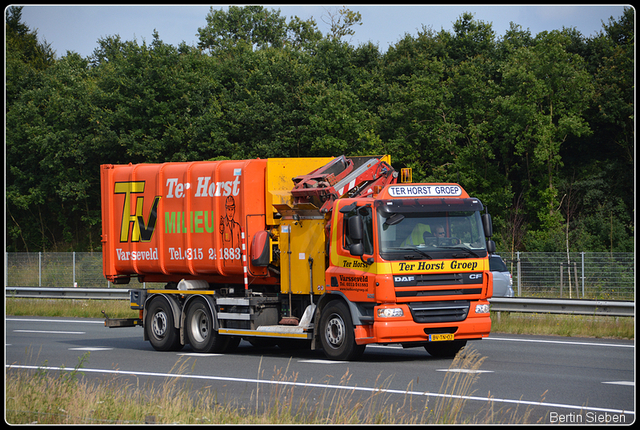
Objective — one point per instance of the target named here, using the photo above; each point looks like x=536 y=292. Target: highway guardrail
x=67 y=293
x=498 y=304
x=617 y=308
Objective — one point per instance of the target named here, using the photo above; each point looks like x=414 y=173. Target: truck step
x=273 y=331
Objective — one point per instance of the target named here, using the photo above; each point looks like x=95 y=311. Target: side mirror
x=356 y=234
x=491 y=246
x=356 y=249
x=487 y=225
x=355 y=228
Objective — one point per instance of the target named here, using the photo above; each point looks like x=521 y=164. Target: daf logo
x=403 y=278
x=475 y=276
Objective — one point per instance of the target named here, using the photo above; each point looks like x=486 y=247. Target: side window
x=367 y=224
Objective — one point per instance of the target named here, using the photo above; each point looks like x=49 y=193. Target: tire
x=445 y=349
x=199 y=327
x=158 y=323
x=337 y=335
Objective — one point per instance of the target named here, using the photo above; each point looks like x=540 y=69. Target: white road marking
x=561 y=342
x=629 y=383
x=464 y=370
x=90 y=349
x=54 y=321
x=49 y=331
x=200 y=354
x=316 y=361
x=330 y=386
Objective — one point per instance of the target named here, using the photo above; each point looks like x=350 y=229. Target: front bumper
x=405 y=330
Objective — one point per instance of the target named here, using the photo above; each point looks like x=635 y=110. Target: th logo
x=141 y=231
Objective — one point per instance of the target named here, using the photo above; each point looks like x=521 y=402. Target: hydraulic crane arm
x=342 y=176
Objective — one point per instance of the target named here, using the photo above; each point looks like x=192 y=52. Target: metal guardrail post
x=519 y=269
x=75 y=284
x=582 y=258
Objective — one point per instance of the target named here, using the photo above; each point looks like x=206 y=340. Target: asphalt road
x=559 y=380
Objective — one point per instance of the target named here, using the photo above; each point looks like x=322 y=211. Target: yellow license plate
x=437 y=337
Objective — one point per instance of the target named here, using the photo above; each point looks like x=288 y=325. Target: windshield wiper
x=412 y=256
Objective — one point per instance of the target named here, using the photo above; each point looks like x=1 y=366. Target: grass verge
x=65 y=397
x=563 y=325
x=68 y=308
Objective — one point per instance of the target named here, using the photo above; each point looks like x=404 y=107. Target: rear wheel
x=445 y=349
x=161 y=331
x=199 y=327
x=337 y=333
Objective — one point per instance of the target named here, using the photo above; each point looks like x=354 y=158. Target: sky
x=78 y=28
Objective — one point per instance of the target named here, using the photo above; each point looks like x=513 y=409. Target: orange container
x=166 y=222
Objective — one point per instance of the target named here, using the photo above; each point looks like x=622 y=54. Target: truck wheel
x=336 y=333
x=199 y=326
x=445 y=349
x=161 y=332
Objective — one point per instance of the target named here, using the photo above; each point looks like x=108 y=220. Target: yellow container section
x=300 y=240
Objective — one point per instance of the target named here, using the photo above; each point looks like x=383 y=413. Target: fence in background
x=584 y=275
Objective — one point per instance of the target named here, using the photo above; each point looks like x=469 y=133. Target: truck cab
x=412 y=262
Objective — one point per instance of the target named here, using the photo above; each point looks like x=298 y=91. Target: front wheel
x=158 y=323
x=337 y=334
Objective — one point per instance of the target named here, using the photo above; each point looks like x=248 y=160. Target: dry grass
x=67 y=397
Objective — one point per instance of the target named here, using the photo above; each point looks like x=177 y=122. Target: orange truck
x=326 y=253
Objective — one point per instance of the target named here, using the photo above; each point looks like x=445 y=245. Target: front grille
x=439 y=312
x=437 y=279
x=419 y=286
x=431 y=293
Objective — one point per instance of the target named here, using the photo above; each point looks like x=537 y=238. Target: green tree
x=470 y=38
x=262 y=100
x=546 y=91
x=251 y=25
x=25 y=56
x=302 y=34
x=341 y=23
x=52 y=182
x=23 y=42
x=156 y=104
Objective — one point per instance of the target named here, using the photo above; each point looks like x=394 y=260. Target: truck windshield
x=420 y=234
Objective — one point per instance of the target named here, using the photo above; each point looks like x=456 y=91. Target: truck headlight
x=390 y=312
x=482 y=309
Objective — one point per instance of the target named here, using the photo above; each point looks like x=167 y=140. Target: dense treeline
x=540 y=128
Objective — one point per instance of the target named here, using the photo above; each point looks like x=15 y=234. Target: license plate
x=438 y=337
